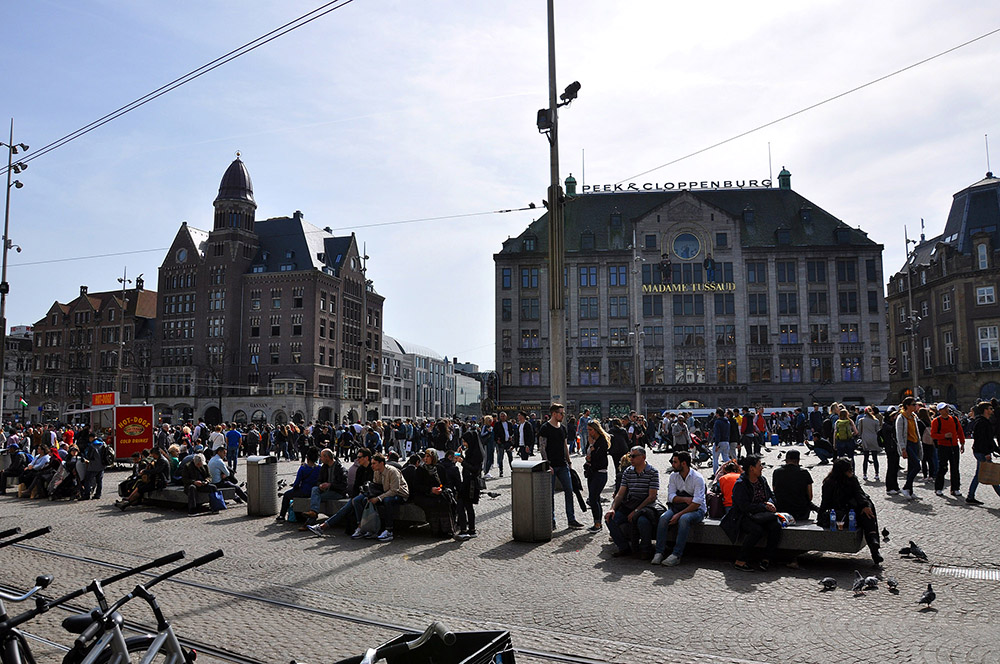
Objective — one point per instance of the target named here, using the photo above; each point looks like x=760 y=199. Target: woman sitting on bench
x=842 y=492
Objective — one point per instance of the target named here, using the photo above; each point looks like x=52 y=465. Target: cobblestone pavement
x=567 y=595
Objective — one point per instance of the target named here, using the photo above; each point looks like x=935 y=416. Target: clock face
x=182 y=255
x=686 y=246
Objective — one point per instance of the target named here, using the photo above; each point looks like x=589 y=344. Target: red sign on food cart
x=133 y=430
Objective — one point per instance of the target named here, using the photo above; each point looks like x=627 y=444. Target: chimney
x=784 y=179
x=83 y=291
x=571 y=185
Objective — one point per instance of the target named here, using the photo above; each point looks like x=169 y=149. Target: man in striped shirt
x=640 y=485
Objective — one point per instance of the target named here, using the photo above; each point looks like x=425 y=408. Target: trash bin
x=4 y=460
x=262 y=485
x=531 y=501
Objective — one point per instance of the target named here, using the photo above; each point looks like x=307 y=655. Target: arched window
x=983 y=258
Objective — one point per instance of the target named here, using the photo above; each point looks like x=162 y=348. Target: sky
x=394 y=110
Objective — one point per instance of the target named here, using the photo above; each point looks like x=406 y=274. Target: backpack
x=203 y=434
x=107 y=455
x=843 y=430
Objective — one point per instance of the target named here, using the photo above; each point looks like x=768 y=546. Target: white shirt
x=694 y=486
x=216 y=439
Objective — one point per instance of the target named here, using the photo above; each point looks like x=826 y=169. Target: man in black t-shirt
x=552 y=442
x=792 y=486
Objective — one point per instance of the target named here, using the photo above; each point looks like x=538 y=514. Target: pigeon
x=885 y=534
x=829 y=583
x=859 y=583
x=928 y=596
x=905 y=552
x=917 y=552
x=871 y=583
x=493 y=494
x=781 y=454
x=893 y=584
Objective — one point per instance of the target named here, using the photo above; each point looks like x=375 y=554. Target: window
x=949 y=348
x=298 y=294
x=617 y=275
x=590 y=337
x=986 y=294
x=274 y=350
x=529 y=308
x=725 y=304
x=618 y=337
x=689 y=305
x=788 y=303
x=784 y=236
x=296 y=325
x=588 y=276
x=725 y=372
x=725 y=335
x=618 y=307
x=904 y=356
x=816 y=272
x=529 y=338
x=790 y=370
x=689 y=371
x=652 y=371
x=848 y=302
x=652 y=274
x=850 y=369
x=946 y=302
x=989 y=346
x=530 y=372
x=586 y=241
x=927 y=353
x=901 y=310
x=757 y=304
x=788 y=334
x=296 y=349
x=275 y=298
x=849 y=333
x=691 y=336
x=216 y=300
x=819 y=333
x=756 y=272
x=924 y=309
x=505 y=276
x=653 y=335
x=817 y=303
x=846 y=271
x=721 y=240
x=507 y=374
x=588 y=308
x=981 y=255
x=873 y=298
x=529 y=277
x=688 y=273
x=758 y=335
x=276 y=325
x=505 y=310
x=871 y=274
x=530 y=243
x=505 y=339
x=649 y=241
x=620 y=372
x=589 y=371
x=821 y=369
x=785 y=271
x=652 y=305
x=760 y=370
x=874 y=336
x=721 y=273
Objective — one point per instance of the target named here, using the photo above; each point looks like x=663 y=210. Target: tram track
x=237 y=658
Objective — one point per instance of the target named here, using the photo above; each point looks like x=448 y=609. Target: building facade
x=695 y=298
x=944 y=325
x=429 y=393
x=17 y=372
x=269 y=321
x=77 y=347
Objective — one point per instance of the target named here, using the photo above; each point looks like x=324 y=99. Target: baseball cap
x=942 y=405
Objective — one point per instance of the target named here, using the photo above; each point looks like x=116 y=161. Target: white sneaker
x=672 y=561
x=939 y=493
x=864 y=477
x=385 y=536
x=488 y=476
x=907 y=494
x=657 y=559
x=957 y=493
x=893 y=492
x=876 y=477
x=357 y=534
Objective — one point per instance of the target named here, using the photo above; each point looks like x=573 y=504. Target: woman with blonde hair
x=596 y=469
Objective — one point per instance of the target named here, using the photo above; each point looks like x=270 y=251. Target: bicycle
x=101 y=640
x=438 y=645
x=14 y=648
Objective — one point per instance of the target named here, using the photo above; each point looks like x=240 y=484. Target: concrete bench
x=11 y=482
x=801 y=537
x=409 y=513
x=173 y=496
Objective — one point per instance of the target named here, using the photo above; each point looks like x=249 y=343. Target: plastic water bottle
x=833 y=520
x=852 y=521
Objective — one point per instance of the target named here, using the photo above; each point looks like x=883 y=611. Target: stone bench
x=802 y=537
x=173 y=496
x=408 y=513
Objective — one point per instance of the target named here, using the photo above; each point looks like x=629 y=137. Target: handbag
x=216 y=501
x=716 y=505
x=370 y=521
x=989 y=473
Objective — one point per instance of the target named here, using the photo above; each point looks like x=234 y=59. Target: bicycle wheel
x=137 y=648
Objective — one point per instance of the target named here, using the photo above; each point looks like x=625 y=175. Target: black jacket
x=842 y=496
x=743 y=505
x=505 y=440
x=983 y=441
x=335 y=475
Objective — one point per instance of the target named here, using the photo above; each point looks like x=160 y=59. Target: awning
x=92 y=409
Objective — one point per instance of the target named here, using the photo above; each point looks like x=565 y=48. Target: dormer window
x=289 y=254
x=748 y=215
x=805 y=214
x=982 y=256
x=784 y=236
x=586 y=241
x=530 y=244
x=842 y=235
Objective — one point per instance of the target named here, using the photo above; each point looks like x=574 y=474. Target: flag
x=24 y=404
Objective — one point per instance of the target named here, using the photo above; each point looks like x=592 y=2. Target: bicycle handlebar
x=8 y=533
x=159 y=562
x=435 y=628
x=197 y=562
x=33 y=534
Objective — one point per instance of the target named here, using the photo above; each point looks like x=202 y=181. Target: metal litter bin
x=262 y=485
x=531 y=501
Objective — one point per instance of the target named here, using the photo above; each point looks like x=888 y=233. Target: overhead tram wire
x=280 y=31
x=321 y=230
x=812 y=106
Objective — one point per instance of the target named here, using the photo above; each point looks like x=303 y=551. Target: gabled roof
x=295 y=242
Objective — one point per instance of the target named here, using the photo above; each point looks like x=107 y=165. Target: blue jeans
x=975 y=477
x=912 y=464
x=231 y=455
x=341 y=514
x=615 y=524
x=562 y=473
x=316 y=498
x=822 y=454
x=720 y=454
x=683 y=528
x=491 y=450
x=845 y=448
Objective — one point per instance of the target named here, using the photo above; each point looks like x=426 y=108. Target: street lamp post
x=124 y=281
x=7 y=244
x=912 y=318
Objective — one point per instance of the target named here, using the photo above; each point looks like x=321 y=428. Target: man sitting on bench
x=218 y=470
x=194 y=476
x=153 y=477
x=332 y=482
x=686 y=508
